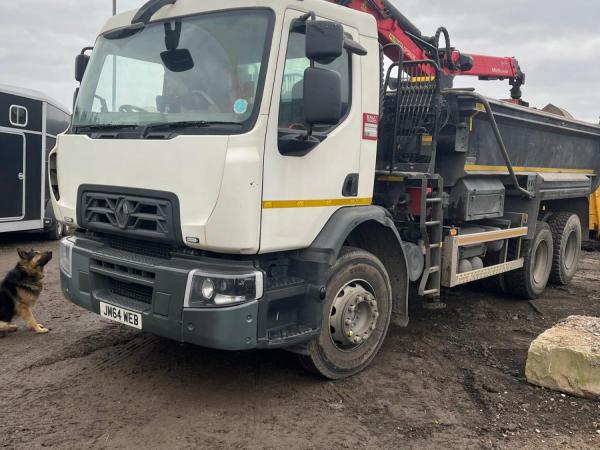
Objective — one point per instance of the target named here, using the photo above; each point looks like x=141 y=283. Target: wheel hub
x=540 y=268
x=571 y=251
x=353 y=317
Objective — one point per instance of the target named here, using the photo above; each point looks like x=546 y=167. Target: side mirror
x=175 y=59
x=324 y=40
x=322 y=106
x=81 y=62
x=322 y=97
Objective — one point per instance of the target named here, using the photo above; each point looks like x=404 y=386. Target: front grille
x=145 y=248
x=145 y=217
x=123 y=270
x=132 y=290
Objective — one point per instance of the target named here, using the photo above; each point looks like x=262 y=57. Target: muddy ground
x=452 y=379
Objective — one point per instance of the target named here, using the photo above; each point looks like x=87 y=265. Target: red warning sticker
x=370 y=126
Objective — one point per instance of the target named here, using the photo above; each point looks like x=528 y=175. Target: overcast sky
x=557 y=43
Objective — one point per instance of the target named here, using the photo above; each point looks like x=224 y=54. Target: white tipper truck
x=228 y=172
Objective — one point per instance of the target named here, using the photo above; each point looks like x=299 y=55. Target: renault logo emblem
x=122 y=213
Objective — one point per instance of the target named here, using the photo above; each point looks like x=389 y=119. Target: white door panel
x=301 y=193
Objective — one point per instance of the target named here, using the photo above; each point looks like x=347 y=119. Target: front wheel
x=355 y=316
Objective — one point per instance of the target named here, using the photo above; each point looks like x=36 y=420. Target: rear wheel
x=567 y=234
x=530 y=281
x=356 y=316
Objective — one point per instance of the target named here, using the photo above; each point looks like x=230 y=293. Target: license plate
x=116 y=314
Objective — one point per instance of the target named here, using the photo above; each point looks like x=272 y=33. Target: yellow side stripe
x=483 y=168
x=287 y=204
x=390 y=178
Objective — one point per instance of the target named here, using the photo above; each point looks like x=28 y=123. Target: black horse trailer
x=29 y=124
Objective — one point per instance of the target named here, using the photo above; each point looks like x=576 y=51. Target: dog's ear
x=22 y=254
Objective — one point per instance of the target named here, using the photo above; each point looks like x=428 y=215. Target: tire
x=57 y=231
x=530 y=281
x=567 y=234
x=356 y=275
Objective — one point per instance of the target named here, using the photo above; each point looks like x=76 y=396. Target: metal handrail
x=488 y=109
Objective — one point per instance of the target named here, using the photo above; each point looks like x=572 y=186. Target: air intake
x=130 y=214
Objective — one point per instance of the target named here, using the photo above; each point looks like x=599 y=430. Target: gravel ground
x=452 y=379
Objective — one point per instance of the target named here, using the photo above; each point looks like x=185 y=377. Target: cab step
x=278 y=338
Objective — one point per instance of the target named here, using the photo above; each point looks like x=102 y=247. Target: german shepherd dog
x=21 y=289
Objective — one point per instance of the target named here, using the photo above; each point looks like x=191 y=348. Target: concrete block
x=566 y=358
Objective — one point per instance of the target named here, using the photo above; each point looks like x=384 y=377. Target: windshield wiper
x=184 y=124
x=105 y=127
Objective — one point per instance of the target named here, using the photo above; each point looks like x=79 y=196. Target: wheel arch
x=372 y=229
x=49 y=212
x=579 y=206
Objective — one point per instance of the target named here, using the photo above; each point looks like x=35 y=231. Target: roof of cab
x=363 y=22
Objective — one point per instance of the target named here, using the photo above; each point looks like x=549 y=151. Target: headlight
x=211 y=290
x=66 y=256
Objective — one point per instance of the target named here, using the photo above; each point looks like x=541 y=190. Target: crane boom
x=394 y=28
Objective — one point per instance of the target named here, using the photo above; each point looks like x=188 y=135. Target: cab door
x=12 y=176
x=300 y=193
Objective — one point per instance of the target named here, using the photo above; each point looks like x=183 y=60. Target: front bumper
x=100 y=273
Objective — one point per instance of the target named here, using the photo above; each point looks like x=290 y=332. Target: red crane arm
x=394 y=28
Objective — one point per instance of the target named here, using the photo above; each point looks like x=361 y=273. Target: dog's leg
x=24 y=312
x=6 y=327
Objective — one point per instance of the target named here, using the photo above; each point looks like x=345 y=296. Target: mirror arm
x=147 y=10
x=309 y=15
x=309 y=132
x=354 y=47
x=172 y=35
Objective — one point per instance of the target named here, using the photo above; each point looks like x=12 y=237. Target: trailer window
x=291 y=108
x=19 y=116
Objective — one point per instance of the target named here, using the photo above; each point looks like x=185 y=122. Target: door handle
x=21 y=177
x=350 y=188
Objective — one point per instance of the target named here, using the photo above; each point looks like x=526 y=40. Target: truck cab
x=232 y=186
x=187 y=169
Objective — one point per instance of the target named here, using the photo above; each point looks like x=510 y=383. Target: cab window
x=140 y=82
x=291 y=108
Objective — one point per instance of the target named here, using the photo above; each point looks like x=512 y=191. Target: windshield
x=205 y=69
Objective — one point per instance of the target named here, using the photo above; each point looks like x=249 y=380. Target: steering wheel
x=297 y=126
x=202 y=96
x=131 y=108
x=103 y=103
